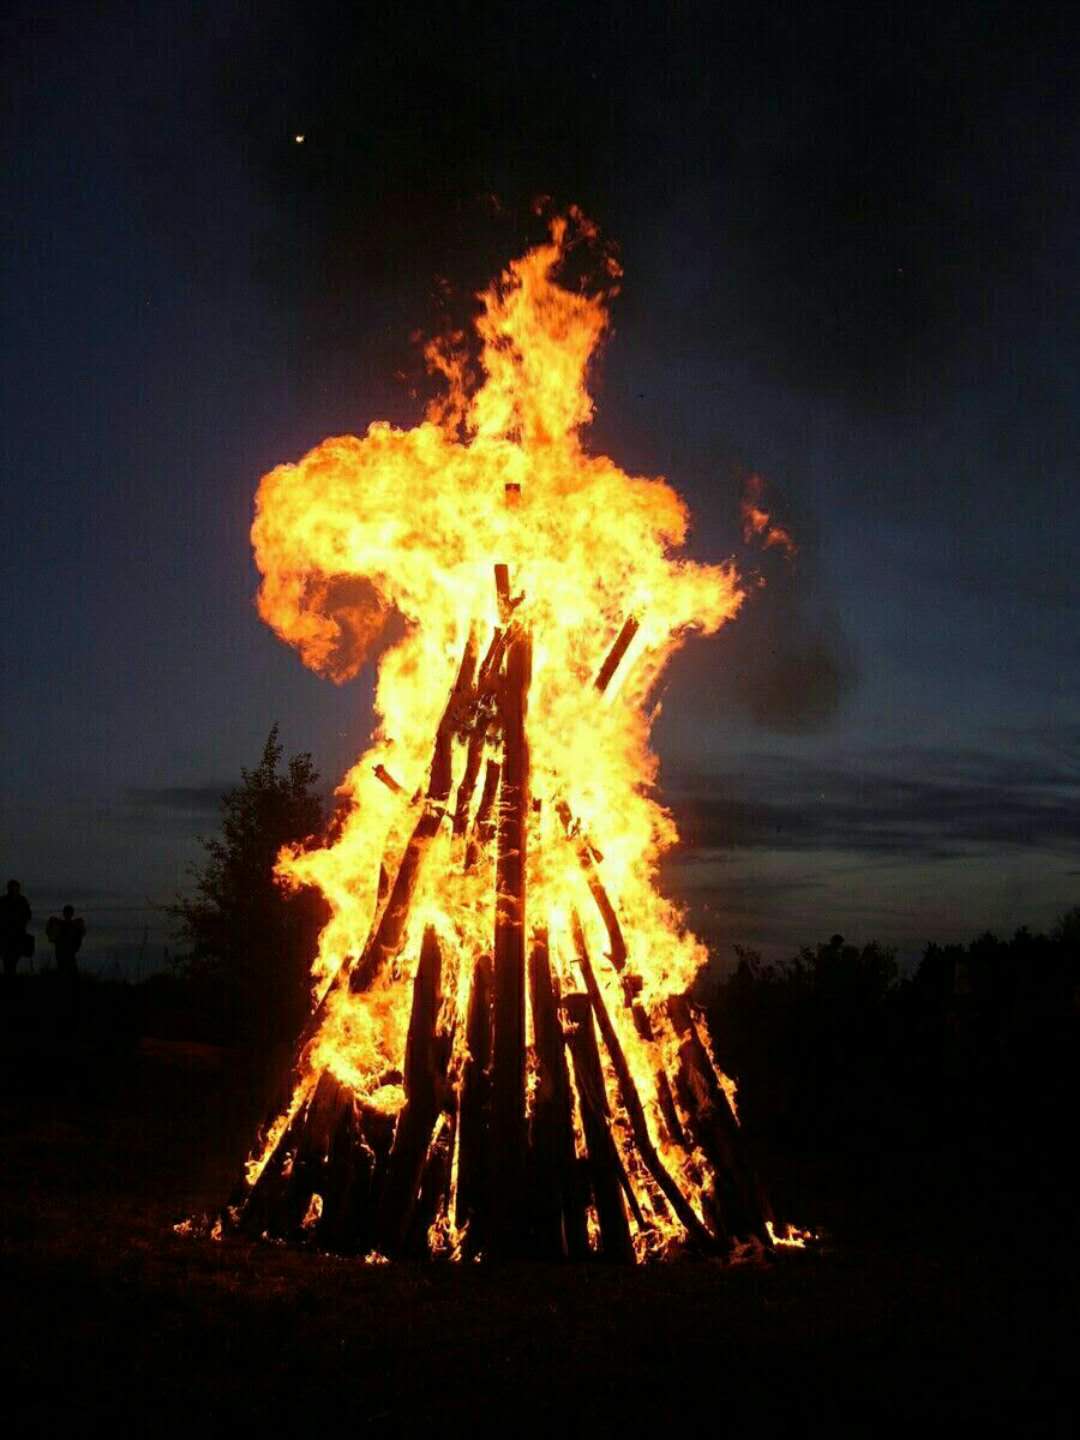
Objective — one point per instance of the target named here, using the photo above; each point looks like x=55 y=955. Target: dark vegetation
x=248 y=940
x=979 y=1046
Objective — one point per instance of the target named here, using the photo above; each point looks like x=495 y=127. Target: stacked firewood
x=470 y=1166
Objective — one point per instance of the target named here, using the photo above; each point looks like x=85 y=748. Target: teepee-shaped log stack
x=525 y=1129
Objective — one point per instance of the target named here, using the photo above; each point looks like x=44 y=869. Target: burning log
x=389 y=934
x=606 y=1172
x=426 y=1056
x=668 y=1112
x=484 y=826
x=467 y=787
x=502 y=590
x=434 y=1193
x=616 y=653
x=335 y=1150
x=587 y=856
x=388 y=931
x=739 y=1196
x=488 y=682
x=508 y=1059
x=628 y=1093
x=381 y=773
x=491 y=665
x=560 y=1198
x=472 y=1207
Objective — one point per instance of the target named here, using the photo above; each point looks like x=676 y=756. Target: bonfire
x=502 y=1059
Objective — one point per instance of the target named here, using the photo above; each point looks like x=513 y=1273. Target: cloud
x=913 y=803
x=197 y=801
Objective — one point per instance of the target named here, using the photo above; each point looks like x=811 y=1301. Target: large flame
x=412 y=522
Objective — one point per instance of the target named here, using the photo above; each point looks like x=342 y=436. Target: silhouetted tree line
x=835 y=1049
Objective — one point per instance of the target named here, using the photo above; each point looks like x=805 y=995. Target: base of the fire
x=542 y=1109
x=431 y=1183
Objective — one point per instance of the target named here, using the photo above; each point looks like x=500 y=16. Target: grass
x=932 y=1302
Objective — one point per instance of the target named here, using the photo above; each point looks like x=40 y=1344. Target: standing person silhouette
x=15 y=941
x=66 y=935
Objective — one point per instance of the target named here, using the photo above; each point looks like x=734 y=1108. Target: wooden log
x=631 y=1101
x=508 y=1058
x=310 y=1168
x=472 y=1206
x=262 y=1207
x=390 y=929
x=356 y=1165
x=502 y=590
x=670 y=1115
x=587 y=858
x=491 y=666
x=739 y=1198
x=606 y=1173
x=473 y=760
x=560 y=1201
x=484 y=825
x=488 y=684
x=616 y=653
x=324 y=1152
x=426 y=1056
x=381 y=773
x=434 y=1190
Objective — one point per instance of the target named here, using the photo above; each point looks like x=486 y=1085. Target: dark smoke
x=796 y=665
x=787 y=660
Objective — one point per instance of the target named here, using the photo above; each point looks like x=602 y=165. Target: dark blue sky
x=850 y=238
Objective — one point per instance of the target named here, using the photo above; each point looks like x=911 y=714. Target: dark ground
x=945 y=1293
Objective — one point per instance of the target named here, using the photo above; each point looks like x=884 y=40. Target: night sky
x=849 y=236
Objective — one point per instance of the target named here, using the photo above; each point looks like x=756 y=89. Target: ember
x=502 y=1059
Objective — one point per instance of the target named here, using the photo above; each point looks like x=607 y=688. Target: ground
x=942 y=1295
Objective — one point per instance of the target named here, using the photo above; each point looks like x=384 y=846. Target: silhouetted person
x=66 y=935
x=15 y=941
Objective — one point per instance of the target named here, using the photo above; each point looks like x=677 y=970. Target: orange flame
x=757 y=522
x=411 y=521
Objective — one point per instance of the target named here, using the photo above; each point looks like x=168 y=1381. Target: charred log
x=320 y=1184
x=434 y=1194
x=484 y=825
x=616 y=653
x=606 y=1173
x=381 y=773
x=426 y=1058
x=631 y=1100
x=739 y=1198
x=390 y=930
x=508 y=1060
x=472 y=1206
x=587 y=857
x=559 y=1199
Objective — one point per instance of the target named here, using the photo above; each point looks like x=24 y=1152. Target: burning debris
x=758 y=524
x=502 y=1059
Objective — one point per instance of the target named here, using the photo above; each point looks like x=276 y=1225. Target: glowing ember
x=500 y=1058
x=757 y=522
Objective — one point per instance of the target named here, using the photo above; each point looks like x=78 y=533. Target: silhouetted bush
x=834 y=1050
x=250 y=941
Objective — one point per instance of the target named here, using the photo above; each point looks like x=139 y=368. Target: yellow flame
x=411 y=522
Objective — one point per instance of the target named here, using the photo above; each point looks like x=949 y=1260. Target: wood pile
x=553 y=1149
